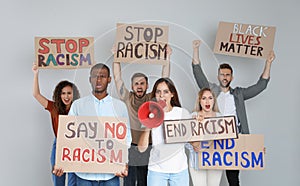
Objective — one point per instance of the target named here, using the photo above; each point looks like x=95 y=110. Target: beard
x=140 y=94
x=225 y=85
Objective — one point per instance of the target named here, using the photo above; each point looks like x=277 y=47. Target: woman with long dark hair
x=167 y=162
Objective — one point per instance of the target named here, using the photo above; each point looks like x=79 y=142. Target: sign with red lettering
x=244 y=153
x=136 y=43
x=244 y=40
x=92 y=144
x=192 y=130
x=64 y=52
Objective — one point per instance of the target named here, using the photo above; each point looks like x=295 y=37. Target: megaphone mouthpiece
x=151 y=115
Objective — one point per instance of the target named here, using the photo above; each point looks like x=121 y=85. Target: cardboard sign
x=244 y=40
x=91 y=144
x=141 y=44
x=64 y=53
x=244 y=153
x=192 y=130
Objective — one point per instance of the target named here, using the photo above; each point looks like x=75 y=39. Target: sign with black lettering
x=92 y=144
x=64 y=52
x=136 y=43
x=244 y=153
x=192 y=130
x=244 y=40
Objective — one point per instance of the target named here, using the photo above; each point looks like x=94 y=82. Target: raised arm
x=267 y=68
x=118 y=76
x=36 y=89
x=263 y=81
x=196 y=45
x=121 y=89
x=197 y=70
x=166 y=67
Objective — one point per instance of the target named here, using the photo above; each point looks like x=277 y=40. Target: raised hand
x=271 y=57
x=196 y=43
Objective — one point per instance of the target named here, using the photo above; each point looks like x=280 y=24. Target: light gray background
x=26 y=134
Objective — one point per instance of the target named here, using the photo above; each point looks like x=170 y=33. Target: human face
x=67 y=95
x=99 y=80
x=225 y=77
x=139 y=86
x=207 y=101
x=163 y=93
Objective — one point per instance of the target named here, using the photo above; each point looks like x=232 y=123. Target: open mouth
x=225 y=81
x=67 y=101
x=162 y=100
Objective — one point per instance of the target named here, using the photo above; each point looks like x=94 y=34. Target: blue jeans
x=162 y=179
x=60 y=181
x=112 y=182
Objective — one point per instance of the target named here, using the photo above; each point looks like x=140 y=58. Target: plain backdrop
x=26 y=133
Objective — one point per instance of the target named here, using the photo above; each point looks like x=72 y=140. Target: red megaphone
x=151 y=113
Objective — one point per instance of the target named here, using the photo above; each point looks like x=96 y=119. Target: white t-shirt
x=226 y=105
x=168 y=158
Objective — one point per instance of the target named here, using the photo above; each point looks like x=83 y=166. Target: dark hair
x=175 y=99
x=226 y=66
x=139 y=75
x=100 y=66
x=58 y=103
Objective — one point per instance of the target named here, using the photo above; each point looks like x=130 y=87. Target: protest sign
x=244 y=40
x=64 y=52
x=211 y=128
x=91 y=144
x=144 y=44
x=244 y=153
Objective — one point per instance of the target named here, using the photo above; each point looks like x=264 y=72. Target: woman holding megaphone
x=167 y=162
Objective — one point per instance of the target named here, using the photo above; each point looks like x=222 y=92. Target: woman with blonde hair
x=205 y=107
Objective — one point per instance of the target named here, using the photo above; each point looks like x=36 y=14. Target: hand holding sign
x=199 y=117
x=57 y=171
x=35 y=68
x=196 y=145
x=124 y=173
